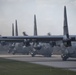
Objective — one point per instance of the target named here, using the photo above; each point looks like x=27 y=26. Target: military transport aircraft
x=66 y=39
x=18 y=46
x=39 y=48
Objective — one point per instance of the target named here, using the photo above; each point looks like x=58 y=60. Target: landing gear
x=64 y=57
x=13 y=53
x=9 y=51
x=33 y=54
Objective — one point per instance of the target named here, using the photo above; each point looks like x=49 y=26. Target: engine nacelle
x=67 y=41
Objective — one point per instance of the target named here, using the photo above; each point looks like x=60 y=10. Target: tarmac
x=54 y=61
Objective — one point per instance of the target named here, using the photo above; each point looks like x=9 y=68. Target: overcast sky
x=49 y=14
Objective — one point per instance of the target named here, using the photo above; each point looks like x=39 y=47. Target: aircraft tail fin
x=12 y=29
x=35 y=26
x=65 y=23
x=16 y=28
x=66 y=32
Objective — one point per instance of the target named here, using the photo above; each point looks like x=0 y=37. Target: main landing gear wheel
x=64 y=57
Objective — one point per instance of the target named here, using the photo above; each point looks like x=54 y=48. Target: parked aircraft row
x=67 y=48
x=35 y=48
x=17 y=47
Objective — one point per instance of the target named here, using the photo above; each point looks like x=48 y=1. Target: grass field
x=11 y=67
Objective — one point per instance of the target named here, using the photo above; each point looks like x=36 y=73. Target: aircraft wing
x=35 y=38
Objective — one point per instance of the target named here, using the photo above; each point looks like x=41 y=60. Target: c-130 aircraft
x=17 y=47
x=68 y=49
x=40 y=48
